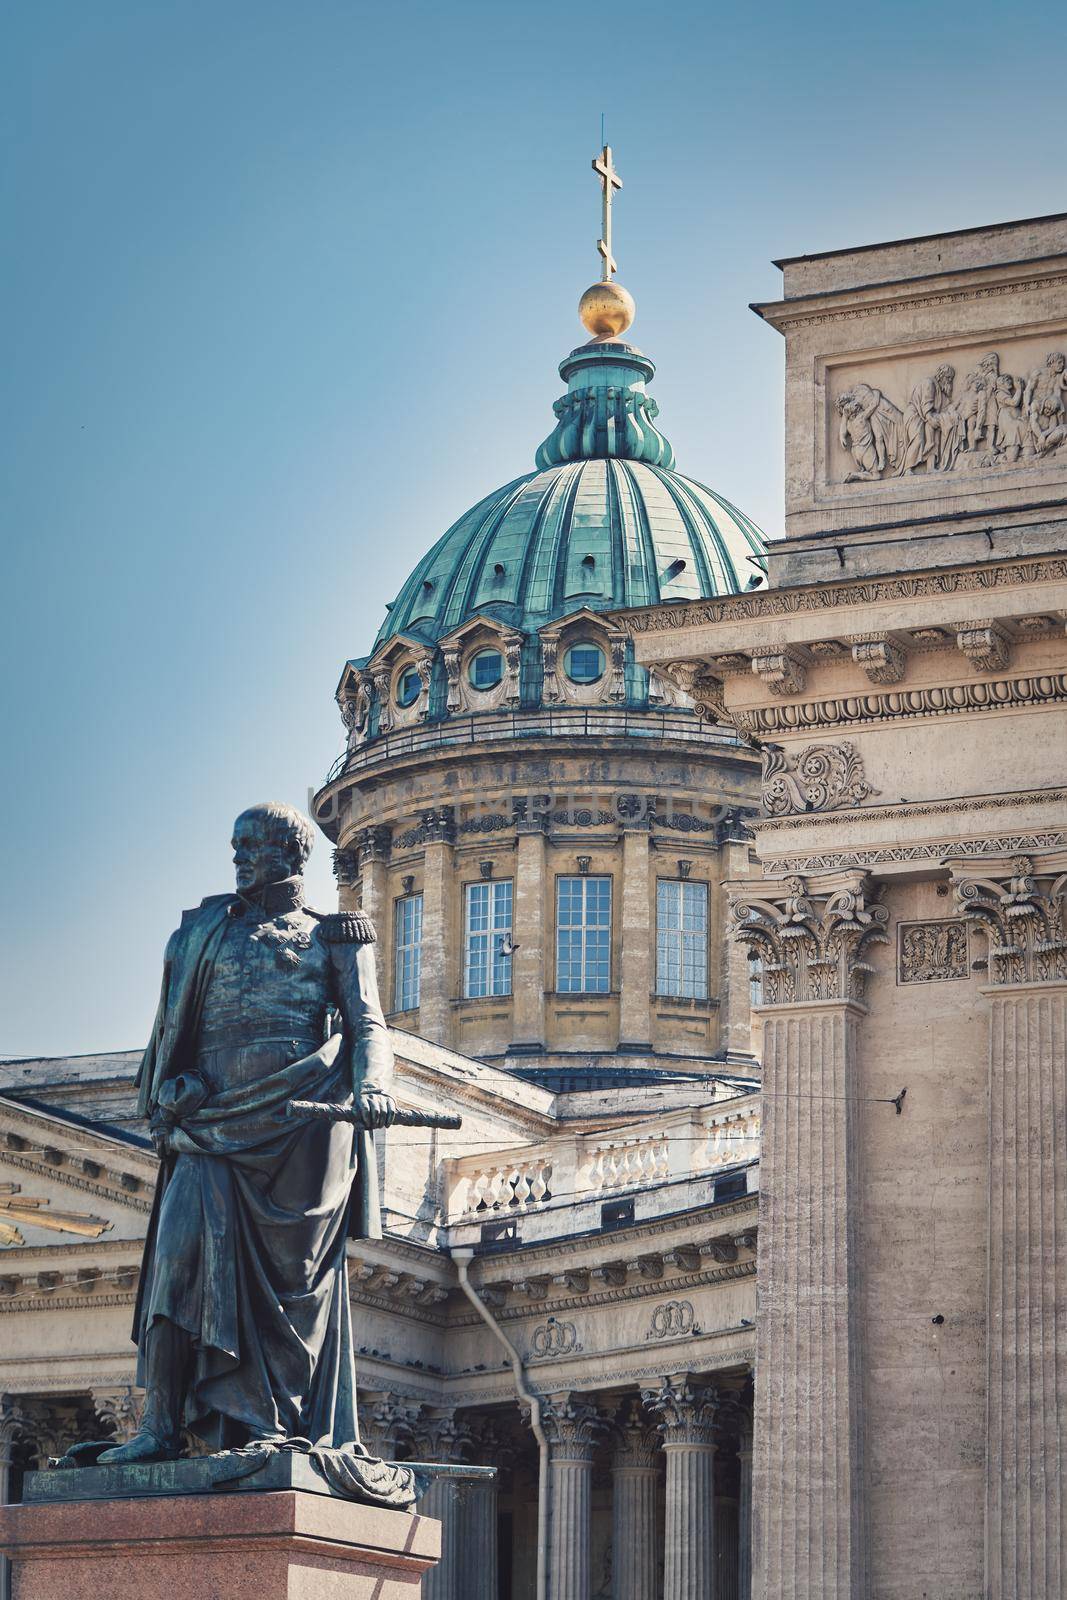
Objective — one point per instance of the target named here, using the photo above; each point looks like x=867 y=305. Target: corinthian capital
x=1022 y=911
x=811 y=937
x=685 y=1411
x=574 y=1426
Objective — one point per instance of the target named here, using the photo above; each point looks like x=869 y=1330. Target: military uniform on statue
x=242 y=1322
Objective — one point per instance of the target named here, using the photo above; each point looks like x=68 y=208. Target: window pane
x=682 y=939
x=408 y=966
x=486 y=957
x=583 y=935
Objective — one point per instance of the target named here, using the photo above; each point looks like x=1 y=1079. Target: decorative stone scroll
x=812 y=943
x=823 y=777
x=1023 y=914
x=990 y=419
x=931 y=952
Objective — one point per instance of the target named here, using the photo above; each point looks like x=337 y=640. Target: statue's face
x=259 y=857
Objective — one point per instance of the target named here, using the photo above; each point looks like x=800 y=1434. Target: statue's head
x=270 y=842
x=945 y=377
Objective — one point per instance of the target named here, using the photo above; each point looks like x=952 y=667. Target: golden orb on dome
x=607 y=309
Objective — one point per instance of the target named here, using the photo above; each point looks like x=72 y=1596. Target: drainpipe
x=463 y=1258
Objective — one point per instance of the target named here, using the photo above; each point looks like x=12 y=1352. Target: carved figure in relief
x=871 y=431
x=929 y=424
x=1011 y=432
x=997 y=419
x=1044 y=403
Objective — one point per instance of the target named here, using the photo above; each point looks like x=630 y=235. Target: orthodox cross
x=609 y=182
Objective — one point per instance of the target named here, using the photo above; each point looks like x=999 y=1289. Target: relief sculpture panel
x=918 y=415
x=931 y=952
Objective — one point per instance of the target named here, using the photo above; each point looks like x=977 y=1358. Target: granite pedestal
x=177 y=1532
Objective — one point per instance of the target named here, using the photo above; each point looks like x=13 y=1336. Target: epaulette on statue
x=345 y=927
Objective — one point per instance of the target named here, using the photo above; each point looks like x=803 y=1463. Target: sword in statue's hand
x=330 y=1111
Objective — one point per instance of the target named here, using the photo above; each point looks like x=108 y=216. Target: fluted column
x=528 y=968
x=744 y=1509
x=1021 y=908
x=440 y=1439
x=685 y=1412
x=573 y=1428
x=636 y=978
x=478 y=1514
x=808 y=1517
x=634 y=1478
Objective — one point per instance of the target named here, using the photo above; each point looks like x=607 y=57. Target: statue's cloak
x=246 y=1243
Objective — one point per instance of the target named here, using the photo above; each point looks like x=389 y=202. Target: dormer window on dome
x=584 y=662
x=485 y=669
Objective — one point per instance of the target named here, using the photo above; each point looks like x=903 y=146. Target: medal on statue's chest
x=285 y=937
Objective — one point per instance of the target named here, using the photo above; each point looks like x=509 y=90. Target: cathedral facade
x=719 y=889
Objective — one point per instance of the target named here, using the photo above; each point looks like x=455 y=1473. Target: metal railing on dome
x=571 y=722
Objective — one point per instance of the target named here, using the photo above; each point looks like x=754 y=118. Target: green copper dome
x=605 y=523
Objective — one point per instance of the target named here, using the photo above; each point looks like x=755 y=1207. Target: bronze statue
x=242 y=1322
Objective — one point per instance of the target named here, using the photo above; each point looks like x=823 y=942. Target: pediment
x=64 y=1183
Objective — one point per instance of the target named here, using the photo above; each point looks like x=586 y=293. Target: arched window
x=408 y=687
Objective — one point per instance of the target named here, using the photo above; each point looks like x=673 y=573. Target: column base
x=282 y=1545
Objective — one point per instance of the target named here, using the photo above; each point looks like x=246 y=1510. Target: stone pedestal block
x=285 y=1545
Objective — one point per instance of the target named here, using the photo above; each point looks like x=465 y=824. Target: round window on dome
x=408 y=686
x=584 y=663
x=485 y=669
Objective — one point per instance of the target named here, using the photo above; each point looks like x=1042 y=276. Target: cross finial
x=609 y=182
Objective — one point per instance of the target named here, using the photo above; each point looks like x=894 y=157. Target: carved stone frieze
x=847 y=860
x=989 y=419
x=555 y=1338
x=486 y=822
x=672 y=1320
x=940 y=701
x=1022 y=912
x=811 y=943
x=931 y=952
x=823 y=777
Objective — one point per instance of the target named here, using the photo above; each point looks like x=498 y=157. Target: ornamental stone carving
x=437 y=826
x=119 y=1411
x=346 y=868
x=672 y=1319
x=882 y=659
x=636 y=1439
x=375 y=843
x=1023 y=914
x=573 y=1425
x=985 y=644
x=989 y=418
x=812 y=943
x=931 y=952
x=781 y=670
x=823 y=777
x=685 y=1411
x=555 y=1338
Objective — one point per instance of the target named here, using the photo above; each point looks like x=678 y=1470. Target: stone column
x=686 y=1415
x=744 y=1509
x=375 y=844
x=638 y=946
x=635 y=1561
x=528 y=966
x=727 y=1585
x=438 y=945
x=809 y=1522
x=573 y=1428
x=478 y=1512
x=734 y=980
x=439 y=1439
x=11 y=1429
x=1022 y=910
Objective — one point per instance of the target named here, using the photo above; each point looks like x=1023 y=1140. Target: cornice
x=72 y=1180
x=826 y=597
x=875 y=301
x=940 y=850
x=895 y=813
x=838 y=711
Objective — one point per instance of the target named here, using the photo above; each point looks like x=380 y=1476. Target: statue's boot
x=168 y=1360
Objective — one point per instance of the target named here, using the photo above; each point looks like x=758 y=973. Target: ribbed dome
x=599 y=533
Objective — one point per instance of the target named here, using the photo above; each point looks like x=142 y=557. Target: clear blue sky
x=286 y=286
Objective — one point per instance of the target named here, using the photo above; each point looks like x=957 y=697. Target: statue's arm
x=366 y=1036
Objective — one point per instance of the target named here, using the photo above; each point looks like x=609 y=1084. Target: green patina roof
x=605 y=523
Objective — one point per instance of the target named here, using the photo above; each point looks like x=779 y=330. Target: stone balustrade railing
x=575 y=1167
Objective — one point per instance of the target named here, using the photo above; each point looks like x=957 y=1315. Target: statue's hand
x=376 y=1110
